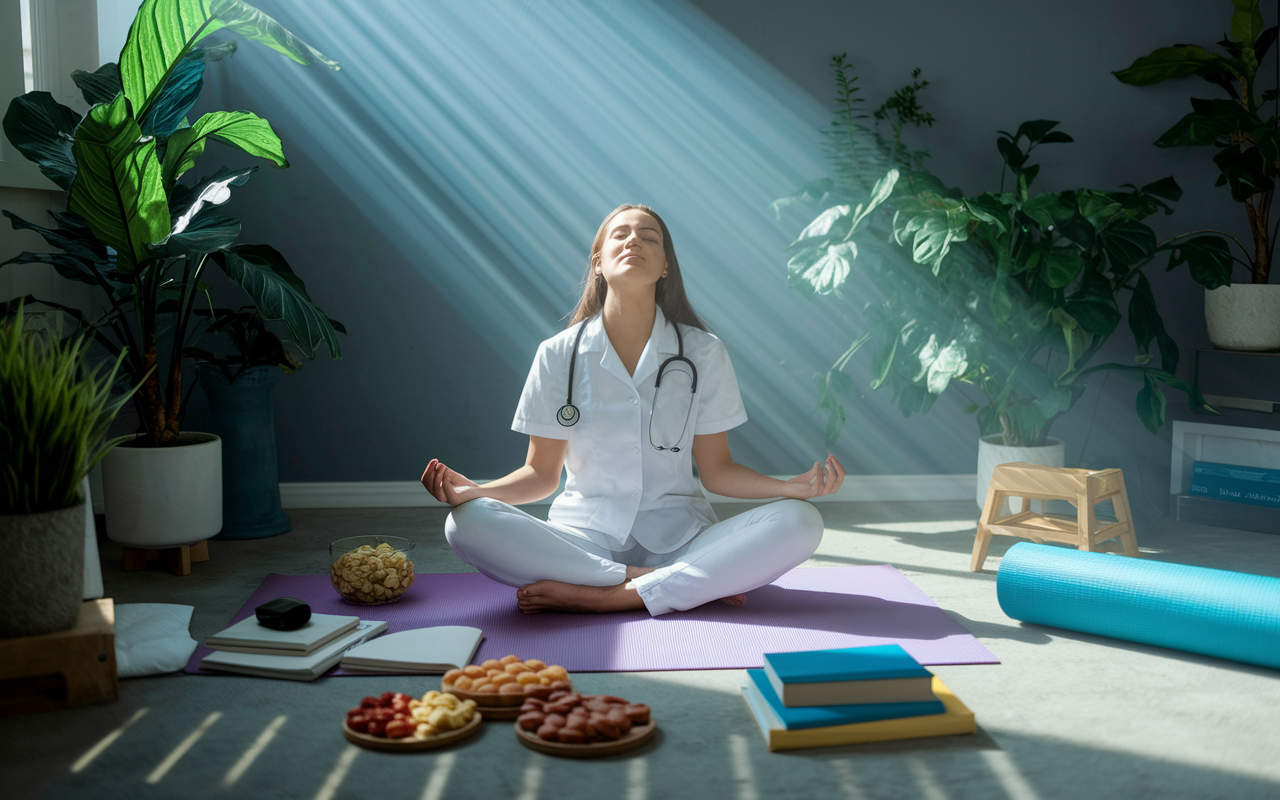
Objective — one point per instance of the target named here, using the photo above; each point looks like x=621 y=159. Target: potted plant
x=145 y=238
x=1239 y=316
x=238 y=383
x=54 y=415
x=1010 y=292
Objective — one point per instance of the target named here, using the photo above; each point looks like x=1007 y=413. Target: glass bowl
x=371 y=570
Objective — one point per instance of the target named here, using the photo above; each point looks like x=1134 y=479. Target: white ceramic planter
x=991 y=453
x=164 y=496
x=1244 y=316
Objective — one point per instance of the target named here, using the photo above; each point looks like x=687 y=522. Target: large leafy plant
x=136 y=231
x=1247 y=143
x=1011 y=292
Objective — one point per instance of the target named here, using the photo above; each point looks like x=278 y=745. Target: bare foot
x=734 y=600
x=556 y=596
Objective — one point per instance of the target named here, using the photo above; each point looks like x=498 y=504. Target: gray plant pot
x=43 y=587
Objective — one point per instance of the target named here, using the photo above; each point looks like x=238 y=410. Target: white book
x=293 y=668
x=250 y=636
x=419 y=651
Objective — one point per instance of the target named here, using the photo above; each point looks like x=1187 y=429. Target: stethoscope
x=568 y=413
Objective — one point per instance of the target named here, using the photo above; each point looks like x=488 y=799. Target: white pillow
x=152 y=638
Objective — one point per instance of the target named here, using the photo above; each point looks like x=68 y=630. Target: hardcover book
x=957 y=719
x=802 y=717
x=1231 y=483
x=250 y=636
x=418 y=651
x=849 y=675
x=293 y=667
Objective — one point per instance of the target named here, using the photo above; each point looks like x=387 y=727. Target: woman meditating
x=626 y=399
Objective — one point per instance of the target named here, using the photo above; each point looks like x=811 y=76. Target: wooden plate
x=410 y=743
x=490 y=705
x=635 y=737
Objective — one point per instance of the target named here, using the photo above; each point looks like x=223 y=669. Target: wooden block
x=65 y=669
x=177 y=560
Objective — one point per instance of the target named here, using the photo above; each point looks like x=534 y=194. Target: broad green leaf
x=1245 y=171
x=279 y=294
x=1128 y=244
x=879 y=193
x=1168 y=62
x=164 y=31
x=204 y=233
x=74 y=241
x=813 y=191
x=951 y=361
x=1151 y=405
x=1093 y=305
x=1098 y=208
x=1167 y=188
x=118 y=189
x=1055 y=402
x=884 y=362
x=1035 y=130
x=185 y=202
x=833 y=221
x=43 y=130
x=823 y=269
x=100 y=86
x=933 y=228
x=1208 y=258
x=176 y=97
x=68 y=266
x=1048 y=209
x=1056 y=137
x=1246 y=22
x=1001 y=303
x=1146 y=324
x=243 y=129
x=840 y=382
x=1059 y=266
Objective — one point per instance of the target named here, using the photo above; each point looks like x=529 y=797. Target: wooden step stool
x=177 y=560
x=59 y=670
x=1082 y=488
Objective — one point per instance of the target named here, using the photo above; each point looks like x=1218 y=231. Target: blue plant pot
x=241 y=413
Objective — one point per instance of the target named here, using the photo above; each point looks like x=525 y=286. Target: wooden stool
x=1082 y=488
x=59 y=670
x=178 y=560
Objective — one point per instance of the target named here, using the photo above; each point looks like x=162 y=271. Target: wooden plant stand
x=59 y=670
x=1082 y=488
x=177 y=560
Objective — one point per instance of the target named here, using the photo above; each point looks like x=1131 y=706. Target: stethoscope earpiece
x=567 y=416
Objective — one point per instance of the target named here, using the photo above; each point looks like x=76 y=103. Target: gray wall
x=420 y=379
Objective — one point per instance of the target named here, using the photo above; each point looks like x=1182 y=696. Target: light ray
x=106 y=741
x=255 y=749
x=186 y=744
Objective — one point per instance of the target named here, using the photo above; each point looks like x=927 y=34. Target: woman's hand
x=446 y=485
x=822 y=479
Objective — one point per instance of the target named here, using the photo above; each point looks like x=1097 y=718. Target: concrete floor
x=1064 y=715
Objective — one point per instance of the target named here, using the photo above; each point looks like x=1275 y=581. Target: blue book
x=878 y=674
x=824 y=716
x=1256 y=486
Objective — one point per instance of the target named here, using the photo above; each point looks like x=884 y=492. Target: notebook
x=293 y=667
x=250 y=636
x=418 y=651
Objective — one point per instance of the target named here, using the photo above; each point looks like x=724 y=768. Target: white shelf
x=1224 y=444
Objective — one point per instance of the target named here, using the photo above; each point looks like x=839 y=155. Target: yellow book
x=957 y=719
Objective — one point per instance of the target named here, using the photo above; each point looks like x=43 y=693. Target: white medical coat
x=619 y=485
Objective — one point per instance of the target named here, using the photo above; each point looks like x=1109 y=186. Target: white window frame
x=64 y=38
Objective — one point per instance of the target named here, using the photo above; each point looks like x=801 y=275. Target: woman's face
x=632 y=254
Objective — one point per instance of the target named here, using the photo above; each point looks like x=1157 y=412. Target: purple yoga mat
x=806 y=609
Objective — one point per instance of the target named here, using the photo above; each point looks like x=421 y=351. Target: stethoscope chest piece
x=567 y=415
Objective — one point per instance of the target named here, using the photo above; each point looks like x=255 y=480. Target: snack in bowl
x=395 y=715
x=506 y=681
x=573 y=718
x=366 y=570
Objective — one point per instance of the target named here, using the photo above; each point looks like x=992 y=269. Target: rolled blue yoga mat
x=1208 y=611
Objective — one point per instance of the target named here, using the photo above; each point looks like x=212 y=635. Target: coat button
x=635 y=449
x=634 y=401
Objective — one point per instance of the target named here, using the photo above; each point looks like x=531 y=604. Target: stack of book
x=819 y=698
x=303 y=654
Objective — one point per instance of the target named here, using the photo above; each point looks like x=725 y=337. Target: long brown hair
x=668 y=294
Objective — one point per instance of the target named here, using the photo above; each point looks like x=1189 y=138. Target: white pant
x=730 y=557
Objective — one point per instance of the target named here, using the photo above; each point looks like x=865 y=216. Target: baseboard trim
x=410 y=494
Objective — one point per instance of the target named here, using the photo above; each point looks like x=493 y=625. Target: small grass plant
x=54 y=414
